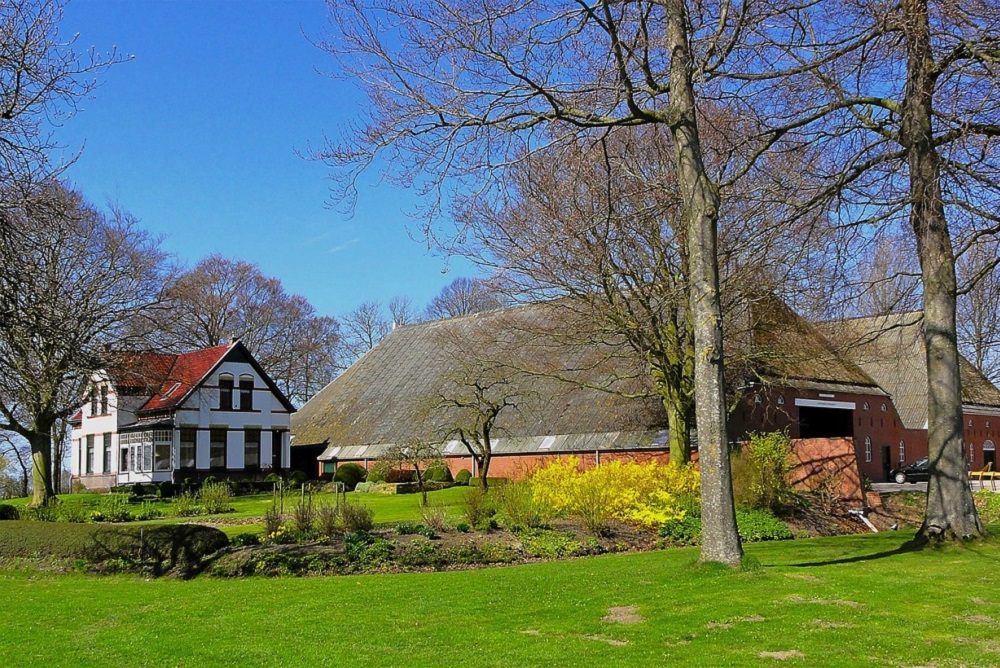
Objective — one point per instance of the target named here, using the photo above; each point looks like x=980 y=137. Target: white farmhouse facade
x=157 y=417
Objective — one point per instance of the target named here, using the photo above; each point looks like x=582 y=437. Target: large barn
x=861 y=379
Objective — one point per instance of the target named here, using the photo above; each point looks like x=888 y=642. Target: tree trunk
x=680 y=428
x=951 y=510
x=484 y=469
x=720 y=538
x=43 y=491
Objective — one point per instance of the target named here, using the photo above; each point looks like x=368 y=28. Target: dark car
x=918 y=471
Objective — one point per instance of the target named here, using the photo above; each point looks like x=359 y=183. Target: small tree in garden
x=760 y=471
x=415 y=455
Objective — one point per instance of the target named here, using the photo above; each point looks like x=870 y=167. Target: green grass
x=846 y=601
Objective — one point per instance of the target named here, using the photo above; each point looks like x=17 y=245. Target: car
x=918 y=471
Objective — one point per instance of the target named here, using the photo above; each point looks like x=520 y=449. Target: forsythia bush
x=648 y=494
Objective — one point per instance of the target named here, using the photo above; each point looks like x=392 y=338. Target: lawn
x=845 y=601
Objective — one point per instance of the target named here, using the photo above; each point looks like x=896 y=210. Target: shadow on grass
x=915 y=544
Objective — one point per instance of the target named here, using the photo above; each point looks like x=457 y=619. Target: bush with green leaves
x=167 y=489
x=378 y=471
x=516 y=507
x=138 y=489
x=364 y=549
x=438 y=472
x=463 y=527
x=760 y=471
x=72 y=511
x=272 y=478
x=186 y=504
x=547 y=544
x=9 y=512
x=988 y=507
x=327 y=519
x=297 y=478
x=463 y=477
x=683 y=531
x=215 y=498
x=350 y=475
x=415 y=529
x=477 y=508
x=756 y=525
x=147 y=511
x=112 y=508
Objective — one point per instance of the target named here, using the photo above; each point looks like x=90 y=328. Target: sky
x=200 y=135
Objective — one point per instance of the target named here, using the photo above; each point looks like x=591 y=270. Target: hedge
x=157 y=548
x=350 y=474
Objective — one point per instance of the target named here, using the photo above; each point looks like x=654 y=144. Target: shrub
x=272 y=478
x=8 y=512
x=297 y=478
x=186 y=504
x=138 y=489
x=759 y=525
x=112 y=508
x=412 y=528
x=463 y=527
x=760 y=471
x=49 y=513
x=364 y=549
x=272 y=521
x=516 y=508
x=435 y=517
x=378 y=471
x=215 y=498
x=396 y=476
x=210 y=480
x=356 y=517
x=350 y=475
x=988 y=506
x=303 y=516
x=71 y=511
x=476 y=508
x=147 y=511
x=463 y=477
x=545 y=544
x=438 y=472
x=684 y=530
x=167 y=489
x=327 y=519
x=648 y=494
x=245 y=539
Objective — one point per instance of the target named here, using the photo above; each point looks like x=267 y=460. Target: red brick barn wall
x=978 y=430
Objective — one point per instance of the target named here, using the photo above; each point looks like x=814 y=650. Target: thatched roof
x=890 y=349
x=397 y=391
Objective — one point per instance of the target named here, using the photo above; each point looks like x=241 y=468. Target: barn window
x=781 y=400
x=756 y=398
x=902 y=453
x=972 y=453
x=868 y=449
x=883 y=408
x=867 y=406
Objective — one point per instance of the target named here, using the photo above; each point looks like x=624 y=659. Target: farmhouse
x=861 y=382
x=152 y=417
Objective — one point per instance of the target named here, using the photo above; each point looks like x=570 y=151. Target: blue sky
x=198 y=135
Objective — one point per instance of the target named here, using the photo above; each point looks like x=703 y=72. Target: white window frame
x=868 y=449
x=902 y=453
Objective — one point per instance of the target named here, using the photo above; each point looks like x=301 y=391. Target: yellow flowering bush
x=648 y=494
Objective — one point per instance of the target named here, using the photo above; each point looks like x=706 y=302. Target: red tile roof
x=187 y=370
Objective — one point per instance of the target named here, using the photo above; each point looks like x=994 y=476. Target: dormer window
x=246 y=393
x=225 y=393
x=104 y=399
x=93 y=402
x=171 y=390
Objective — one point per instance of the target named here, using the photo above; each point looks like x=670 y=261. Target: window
x=90 y=454
x=867 y=406
x=189 y=441
x=251 y=447
x=217 y=449
x=276 y=443
x=781 y=400
x=972 y=453
x=93 y=401
x=104 y=400
x=162 y=445
x=246 y=393
x=756 y=399
x=225 y=393
x=122 y=456
x=868 y=449
x=107 y=454
x=902 y=452
x=883 y=408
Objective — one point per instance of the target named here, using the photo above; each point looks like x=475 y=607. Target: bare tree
x=363 y=328
x=979 y=307
x=463 y=296
x=17 y=452
x=221 y=298
x=416 y=455
x=42 y=79
x=402 y=311
x=73 y=277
